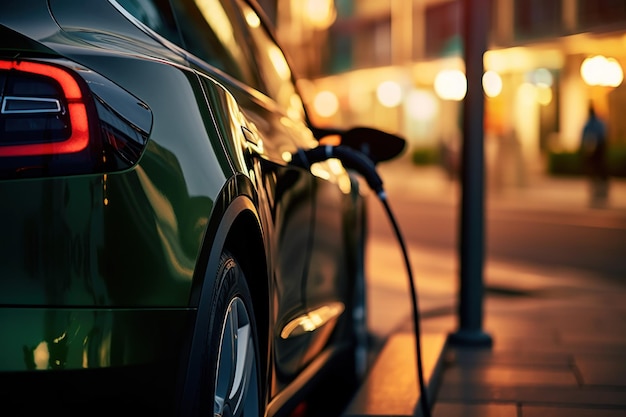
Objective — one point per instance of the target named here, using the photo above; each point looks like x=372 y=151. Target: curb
x=391 y=388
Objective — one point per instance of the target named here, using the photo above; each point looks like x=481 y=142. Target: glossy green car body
x=107 y=266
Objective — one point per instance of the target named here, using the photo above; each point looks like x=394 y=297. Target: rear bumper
x=91 y=361
x=90 y=338
x=147 y=390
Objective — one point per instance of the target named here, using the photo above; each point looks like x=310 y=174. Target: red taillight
x=58 y=118
x=42 y=110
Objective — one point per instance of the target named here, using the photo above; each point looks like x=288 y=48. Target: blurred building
x=398 y=65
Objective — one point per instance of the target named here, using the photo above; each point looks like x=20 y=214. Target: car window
x=155 y=14
x=272 y=65
x=227 y=36
x=211 y=30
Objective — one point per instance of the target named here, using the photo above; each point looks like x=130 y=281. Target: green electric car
x=160 y=250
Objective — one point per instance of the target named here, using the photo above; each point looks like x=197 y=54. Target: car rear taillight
x=43 y=111
x=52 y=123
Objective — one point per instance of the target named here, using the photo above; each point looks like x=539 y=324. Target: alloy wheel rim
x=236 y=380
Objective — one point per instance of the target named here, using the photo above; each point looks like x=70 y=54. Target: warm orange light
x=602 y=71
x=321 y=13
x=389 y=94
x=492 y=84
x=326 y=103
x=451 y=85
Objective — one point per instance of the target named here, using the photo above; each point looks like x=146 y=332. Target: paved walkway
x=559 y=337
x=557 y=352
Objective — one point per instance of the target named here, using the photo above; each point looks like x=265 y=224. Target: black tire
x=228 y=372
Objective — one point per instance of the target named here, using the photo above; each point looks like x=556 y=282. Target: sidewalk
x=559 y=336
x=555 y=353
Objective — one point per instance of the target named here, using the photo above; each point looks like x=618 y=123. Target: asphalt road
x=571 y=235
x=592 y=241
x=531 y=237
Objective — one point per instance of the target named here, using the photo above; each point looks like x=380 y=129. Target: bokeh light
x=451 y=85
x=492 y=84
x=542 y=76
x=602 y=71
x=321 y=13
x=389 y=93
x=544 y=94
x=326 y=103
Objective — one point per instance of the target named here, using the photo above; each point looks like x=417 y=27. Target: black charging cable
x=361 y=163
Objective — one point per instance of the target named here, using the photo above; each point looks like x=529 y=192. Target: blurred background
x=398 y=65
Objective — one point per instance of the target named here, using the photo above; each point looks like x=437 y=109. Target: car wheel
x=229 y=380
x=236 y=390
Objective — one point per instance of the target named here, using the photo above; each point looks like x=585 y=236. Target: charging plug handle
x=349 y=157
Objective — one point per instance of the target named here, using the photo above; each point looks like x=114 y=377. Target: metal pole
x=471 y=245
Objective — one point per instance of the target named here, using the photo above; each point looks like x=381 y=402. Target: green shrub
x=565 y=163
x=617 y=161
x=571 y=164
x=425 y=156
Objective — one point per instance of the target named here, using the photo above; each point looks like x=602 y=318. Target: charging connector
x=350 y=158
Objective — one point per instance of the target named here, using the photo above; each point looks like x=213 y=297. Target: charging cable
x=359 y=162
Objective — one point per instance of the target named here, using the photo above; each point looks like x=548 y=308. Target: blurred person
x=593 y=148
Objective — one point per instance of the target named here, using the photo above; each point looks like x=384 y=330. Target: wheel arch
x=252 y=257
x=235 y=226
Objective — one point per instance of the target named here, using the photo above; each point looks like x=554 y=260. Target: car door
x=323 y=290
